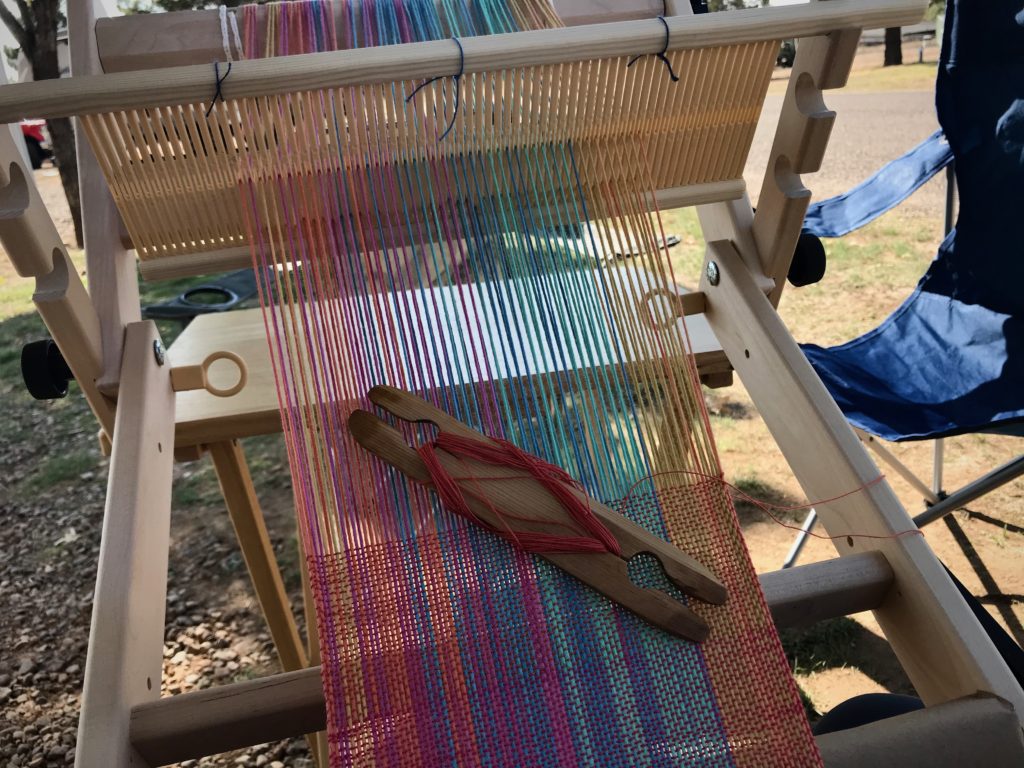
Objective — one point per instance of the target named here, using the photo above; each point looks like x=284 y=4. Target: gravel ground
x=870 y=130
x=51 y=511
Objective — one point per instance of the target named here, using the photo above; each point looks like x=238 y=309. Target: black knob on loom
x=808 y=265
x=43 y=368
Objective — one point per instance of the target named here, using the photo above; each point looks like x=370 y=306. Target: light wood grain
x=34 y=246
x=799 y=597
x=202 y=418
x=150 y=41
x=28 y=233
x=232 y=716
x=125 y=656
x=113 y=281
x=802 y=134
x=420 y=61
x=943 y=649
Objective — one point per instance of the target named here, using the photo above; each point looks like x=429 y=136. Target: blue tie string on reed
x=218 y=93
x=660 y=55
x=456 y=79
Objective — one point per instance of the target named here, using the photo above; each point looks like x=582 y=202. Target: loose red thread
x=767 y=507
x=554 y=479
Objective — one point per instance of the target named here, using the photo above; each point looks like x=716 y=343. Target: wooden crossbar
x=150 y=41
x=420 y=61
x=280 y=706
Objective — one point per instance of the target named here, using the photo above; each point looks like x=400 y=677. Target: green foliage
x=61 y=468
x=728 y=5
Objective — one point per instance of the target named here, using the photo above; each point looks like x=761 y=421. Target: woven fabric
x=458 y=650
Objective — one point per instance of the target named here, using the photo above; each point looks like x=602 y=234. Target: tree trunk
x=63 y=135
x=893 y=47
x=45 y=66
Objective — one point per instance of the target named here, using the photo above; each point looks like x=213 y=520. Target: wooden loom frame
x=941 y=645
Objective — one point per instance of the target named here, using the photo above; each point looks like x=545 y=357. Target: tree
x=35 y=30
x=893 y=47
x=894 y=35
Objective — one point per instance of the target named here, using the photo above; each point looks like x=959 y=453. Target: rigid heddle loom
x=475 y=220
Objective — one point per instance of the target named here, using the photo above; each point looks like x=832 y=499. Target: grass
x=826 y=645
x=908 y=77
x=60 y=468
x=873 y=266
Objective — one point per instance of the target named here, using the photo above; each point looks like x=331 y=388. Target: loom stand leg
x=251 y=530
x=113 y=277
x=125 y=655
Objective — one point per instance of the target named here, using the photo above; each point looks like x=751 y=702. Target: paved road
x=870 y=130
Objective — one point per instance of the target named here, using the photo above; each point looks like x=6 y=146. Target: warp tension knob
x=186 y=378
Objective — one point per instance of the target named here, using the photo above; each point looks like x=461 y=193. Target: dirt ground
x=846 y=657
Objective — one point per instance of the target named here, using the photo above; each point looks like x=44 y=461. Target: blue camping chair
x=950 y=360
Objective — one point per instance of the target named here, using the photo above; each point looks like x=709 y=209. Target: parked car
x=37 y=140
x=787 y=52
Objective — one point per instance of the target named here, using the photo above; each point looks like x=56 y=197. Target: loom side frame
x=110 y=266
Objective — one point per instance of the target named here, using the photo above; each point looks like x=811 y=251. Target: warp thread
x=554 y=479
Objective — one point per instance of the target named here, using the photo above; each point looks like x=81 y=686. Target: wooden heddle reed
x=175 y=171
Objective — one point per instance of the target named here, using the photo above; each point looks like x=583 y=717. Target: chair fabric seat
x=950 y=360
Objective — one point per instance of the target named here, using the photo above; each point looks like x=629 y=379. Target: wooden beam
x=151 y=41
x=214 y=262
x=980 y=731
x=940 y=643
x=66 y=308
x=799 y=597
x=35 y=248
x=113 y=280
x=441 y=58
x=802 y=134
x=214 y=720
x=126 y=637
x=232 y=716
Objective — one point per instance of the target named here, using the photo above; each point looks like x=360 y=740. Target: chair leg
x=901 y=469
x=801 y=538
x=244 y=510
x=938 y=459
x=999 y=476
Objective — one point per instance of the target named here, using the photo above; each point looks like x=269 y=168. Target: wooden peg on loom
x=524 y=505
x=186 y=378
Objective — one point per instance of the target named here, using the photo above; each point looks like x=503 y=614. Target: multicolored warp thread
x=484 y=272
x=478 y=272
